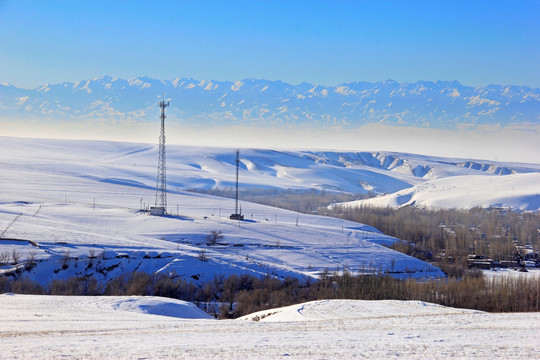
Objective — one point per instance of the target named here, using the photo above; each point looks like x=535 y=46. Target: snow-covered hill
x=516 y=191
x=346 y=309
x=54 y=164
x=440 y=104
x=95 y=328
x=74 y=207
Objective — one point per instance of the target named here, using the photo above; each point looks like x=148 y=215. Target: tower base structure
x=157 y=210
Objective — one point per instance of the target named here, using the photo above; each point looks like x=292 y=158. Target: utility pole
x=237 y=214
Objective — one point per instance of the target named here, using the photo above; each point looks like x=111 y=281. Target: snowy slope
x=346 y=309
x=74 y=207
x=123 y=305
x=134 y=165
x=518 y=191
x=94 y=328
x=123 y=240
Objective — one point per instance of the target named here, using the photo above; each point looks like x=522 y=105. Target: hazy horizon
x=319 y=42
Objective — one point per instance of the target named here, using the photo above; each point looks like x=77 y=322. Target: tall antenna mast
x=161 y=186
x=237 y=164
x=237 y=214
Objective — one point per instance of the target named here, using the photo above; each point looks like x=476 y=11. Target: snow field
x=66 y=167
x=74 y=198
x=95 y=327
x=125 y=240
x=518 y=191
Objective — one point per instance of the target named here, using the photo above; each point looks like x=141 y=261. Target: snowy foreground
x=49 y=327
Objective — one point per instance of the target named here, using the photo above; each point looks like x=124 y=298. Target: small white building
x=157 y=211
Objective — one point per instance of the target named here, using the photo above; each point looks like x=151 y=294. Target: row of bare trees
x=238 y=295
x=14 y=258
x=447 y=236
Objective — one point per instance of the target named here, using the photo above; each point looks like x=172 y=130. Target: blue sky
x=321 y=42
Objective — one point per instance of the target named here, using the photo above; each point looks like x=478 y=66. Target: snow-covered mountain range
x=440 y=105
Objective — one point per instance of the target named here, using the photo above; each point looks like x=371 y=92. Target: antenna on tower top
x=160 y=207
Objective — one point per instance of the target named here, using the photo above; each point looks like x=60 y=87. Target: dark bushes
x=87 y=285
x=239 y=295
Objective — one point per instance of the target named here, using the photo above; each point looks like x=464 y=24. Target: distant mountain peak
x=439 y=104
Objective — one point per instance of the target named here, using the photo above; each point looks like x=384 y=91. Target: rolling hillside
x=76 y=208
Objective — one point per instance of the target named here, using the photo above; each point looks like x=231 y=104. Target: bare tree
x=30 y=261
x=213 y=238
x=4 y=257
x=16 y=256
x=91 y=257
x=202 y=256
x=66 y=254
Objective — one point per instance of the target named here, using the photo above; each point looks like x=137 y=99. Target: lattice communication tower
x=161 y=187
